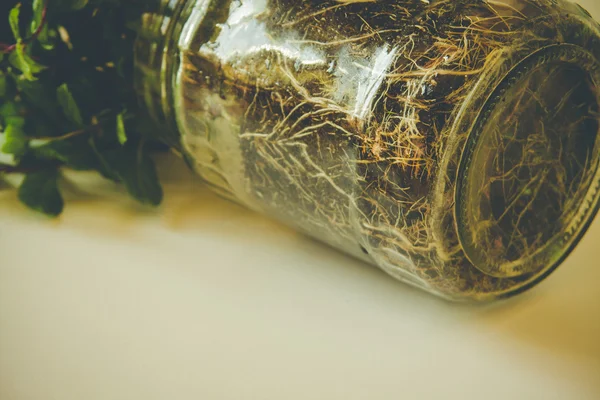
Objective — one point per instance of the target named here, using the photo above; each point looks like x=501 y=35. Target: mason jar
x=454 y=144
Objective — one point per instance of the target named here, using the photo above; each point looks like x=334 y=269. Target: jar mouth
x=529 y=177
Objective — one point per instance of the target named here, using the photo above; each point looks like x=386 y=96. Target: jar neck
x=156 y=58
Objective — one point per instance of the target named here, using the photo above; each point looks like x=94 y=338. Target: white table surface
x=205 y=300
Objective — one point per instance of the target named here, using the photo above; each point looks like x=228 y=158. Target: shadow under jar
x=454 y=144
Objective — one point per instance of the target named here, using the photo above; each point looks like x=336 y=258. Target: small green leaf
x=39 y=191
x=140 y=176
x=38 y=11
x=103 y=157
x=137 y=171
x=21 y=61
x=15 y=141
x=78 y=4
x=18 y=60
x=69 y=105
x=121 y=133
x=13 y=20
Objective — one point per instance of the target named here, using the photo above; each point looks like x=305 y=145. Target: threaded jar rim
x=513 y=219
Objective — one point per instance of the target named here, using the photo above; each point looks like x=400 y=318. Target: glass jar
x=454 y=144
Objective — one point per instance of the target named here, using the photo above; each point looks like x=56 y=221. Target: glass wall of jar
x=454 y=144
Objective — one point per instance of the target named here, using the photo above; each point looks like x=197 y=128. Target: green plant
x=67 y=99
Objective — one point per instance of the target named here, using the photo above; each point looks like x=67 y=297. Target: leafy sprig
x=67 y=99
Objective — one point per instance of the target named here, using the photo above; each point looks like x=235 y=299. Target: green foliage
x=67 y=98
x=69 y=105
x=15 y=142
x=39 y=191
x=135 y=169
